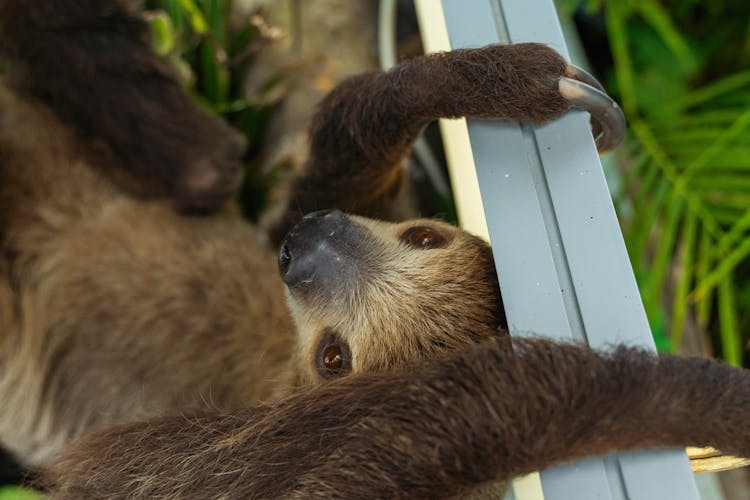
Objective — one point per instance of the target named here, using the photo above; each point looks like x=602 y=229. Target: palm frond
x=686 y=177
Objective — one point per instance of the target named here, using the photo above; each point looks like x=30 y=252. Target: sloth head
x=369 y=296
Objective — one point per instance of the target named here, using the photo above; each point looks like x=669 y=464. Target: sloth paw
x=530 y=81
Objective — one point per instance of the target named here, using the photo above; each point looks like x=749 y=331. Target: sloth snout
x=316 y=250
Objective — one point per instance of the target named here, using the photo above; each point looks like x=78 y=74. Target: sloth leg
x=441 y=430
x=365 y=126
x=91 y=62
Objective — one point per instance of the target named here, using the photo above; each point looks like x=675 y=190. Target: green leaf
x=162 y=33
x=658 y=331
x=723 y=270
x=733 y=235
x=195 y=16
x=659 y=20
x=18 y=493
x=714 y=90
x=720 y=144
x=703 y=266
x=616 y=17
x=214 y=74
x=652 y=295
x=684 y=280
x=647 y=205
x=731 y=341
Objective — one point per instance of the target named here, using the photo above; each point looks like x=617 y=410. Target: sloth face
x=368 y=295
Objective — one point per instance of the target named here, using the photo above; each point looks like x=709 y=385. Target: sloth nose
x=315 y=247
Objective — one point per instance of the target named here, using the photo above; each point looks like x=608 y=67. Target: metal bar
x=560 y=257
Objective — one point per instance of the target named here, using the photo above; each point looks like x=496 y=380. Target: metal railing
x=559 y=251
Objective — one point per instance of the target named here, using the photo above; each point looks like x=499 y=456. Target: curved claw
x=605 y=113
x=576 y=73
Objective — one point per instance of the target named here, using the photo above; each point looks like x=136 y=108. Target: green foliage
x=213 y=60
x=18 y=493
x=681 y=75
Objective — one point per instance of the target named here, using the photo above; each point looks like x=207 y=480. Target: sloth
x=320 y=352
x=127 y=293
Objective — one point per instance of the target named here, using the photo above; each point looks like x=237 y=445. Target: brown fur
x=118 y=308
x=102 y=286
x=115 y=308
x=436 y=431
x=365 y=127
x=82 y=58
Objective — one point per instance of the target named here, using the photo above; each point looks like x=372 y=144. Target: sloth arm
x=476 y=416
x=364 y=128
x=92 y=63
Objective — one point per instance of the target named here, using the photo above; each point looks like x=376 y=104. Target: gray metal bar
x=560 y=256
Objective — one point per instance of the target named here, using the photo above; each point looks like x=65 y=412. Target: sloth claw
x=712 y=460
x=580 y=74
x=583 y=91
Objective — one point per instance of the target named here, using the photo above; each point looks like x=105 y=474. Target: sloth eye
x=423 y=237
x=332 y=357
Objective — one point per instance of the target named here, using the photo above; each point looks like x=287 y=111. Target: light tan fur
x=431 y=307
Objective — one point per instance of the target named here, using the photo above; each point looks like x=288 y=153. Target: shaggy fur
x=116 y=308
x=437 y=431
